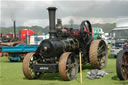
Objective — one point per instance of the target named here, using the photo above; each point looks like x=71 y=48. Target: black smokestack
x=52 y=22
x=14 y=24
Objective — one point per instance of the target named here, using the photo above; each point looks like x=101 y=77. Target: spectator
x=125 y=45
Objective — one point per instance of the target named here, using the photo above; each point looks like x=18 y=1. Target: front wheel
x=27 y=66
x=68 y=66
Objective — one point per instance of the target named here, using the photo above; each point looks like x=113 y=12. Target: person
x=125 y=45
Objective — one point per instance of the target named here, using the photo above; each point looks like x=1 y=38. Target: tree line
x=39 y=30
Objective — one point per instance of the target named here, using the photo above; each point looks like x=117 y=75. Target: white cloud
x=77 y=20
x=36 y=22
x=93 y=20
x=67 y=0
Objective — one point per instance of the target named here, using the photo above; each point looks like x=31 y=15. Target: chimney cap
x=50 y=8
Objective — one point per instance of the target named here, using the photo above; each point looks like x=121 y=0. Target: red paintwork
x=9 y=35
x=76 y=32
x=10 y=44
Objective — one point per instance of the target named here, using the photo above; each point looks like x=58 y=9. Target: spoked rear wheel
x=98 y=54
x=122 y=65
x=27 y=66
x=68 y=66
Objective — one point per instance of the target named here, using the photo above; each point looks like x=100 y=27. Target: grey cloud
x=95 y=9
x=23 y=11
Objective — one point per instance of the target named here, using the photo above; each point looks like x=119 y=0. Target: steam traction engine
x=60 y=53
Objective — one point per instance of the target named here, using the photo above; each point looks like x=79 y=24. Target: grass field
x=11 y=74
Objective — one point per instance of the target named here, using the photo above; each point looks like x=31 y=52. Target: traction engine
x=60 y=53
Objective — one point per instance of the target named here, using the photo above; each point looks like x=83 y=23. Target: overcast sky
x=33 y=12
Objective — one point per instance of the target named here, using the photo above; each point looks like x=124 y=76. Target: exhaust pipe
x=52 y=22
x=14 y=24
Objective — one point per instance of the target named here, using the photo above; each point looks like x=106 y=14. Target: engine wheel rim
x=98 y=54
x=71 y=67
x=102 y=53
x=68 y=66
x=124 y=66
x=32 y=61
x=27 y=67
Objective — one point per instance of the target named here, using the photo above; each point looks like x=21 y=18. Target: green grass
x=11 y=74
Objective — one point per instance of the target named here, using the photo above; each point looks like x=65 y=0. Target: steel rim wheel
x=27 y=66
x=68 y=66
x=122 y=65
x=98 y=54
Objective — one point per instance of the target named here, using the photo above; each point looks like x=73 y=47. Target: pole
x=80 y=68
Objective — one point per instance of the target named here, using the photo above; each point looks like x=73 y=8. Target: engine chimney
x=52 y=25
x=14 y=24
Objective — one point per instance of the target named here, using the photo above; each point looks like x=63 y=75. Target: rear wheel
x=98 y=54
x=68 y=66
x=27 y=66
x=122 y=65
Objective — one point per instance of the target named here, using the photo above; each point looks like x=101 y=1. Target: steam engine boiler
x=60 y=53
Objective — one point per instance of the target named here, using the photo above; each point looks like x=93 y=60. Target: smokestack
x=52 y=22
x=1 y=35
x=14 y=24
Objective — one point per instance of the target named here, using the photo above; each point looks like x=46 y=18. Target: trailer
x=17 y=53
x=9 y=44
